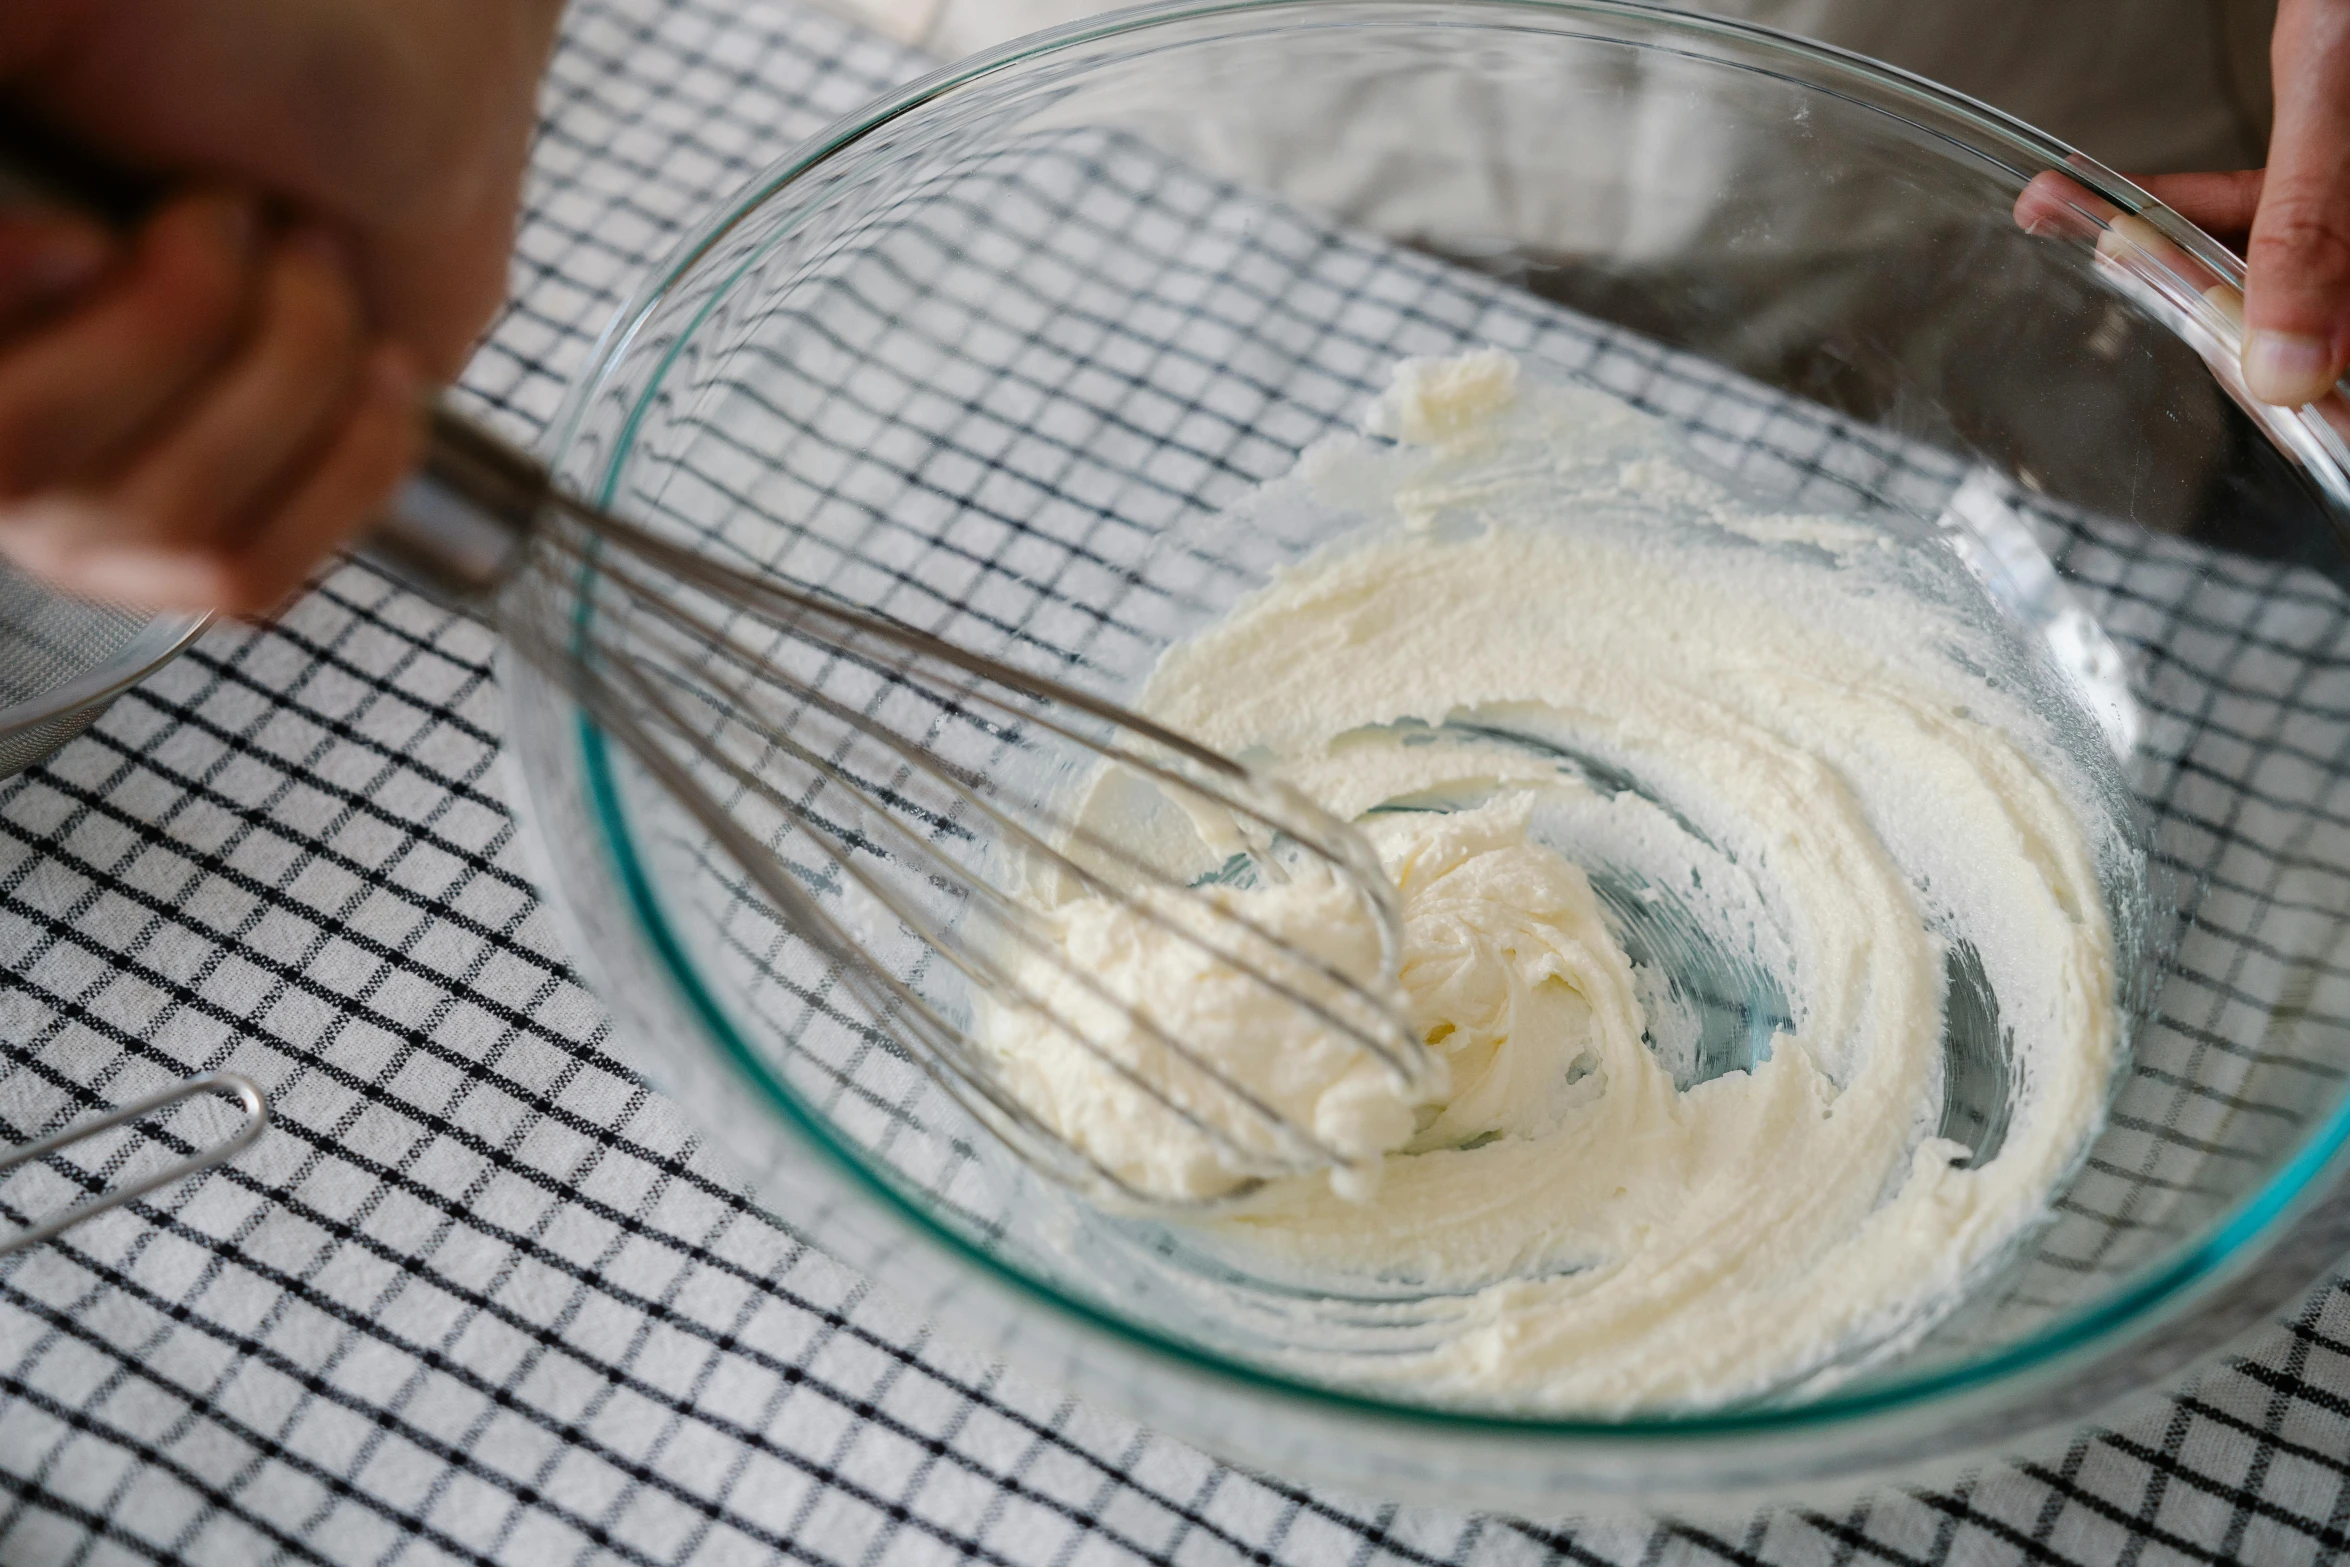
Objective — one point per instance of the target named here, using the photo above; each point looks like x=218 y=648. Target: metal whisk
x=731 y=687
x=873 y=782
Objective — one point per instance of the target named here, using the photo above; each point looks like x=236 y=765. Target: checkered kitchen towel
x=477 y=1298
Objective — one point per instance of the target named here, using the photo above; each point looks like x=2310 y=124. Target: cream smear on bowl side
x=1596 y=713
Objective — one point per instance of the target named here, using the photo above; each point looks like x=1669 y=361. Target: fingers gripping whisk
x=1150 y=971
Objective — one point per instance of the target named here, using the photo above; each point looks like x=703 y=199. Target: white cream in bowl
x=1701 y=817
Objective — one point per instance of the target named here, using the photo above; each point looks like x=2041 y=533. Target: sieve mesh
x=47 y=638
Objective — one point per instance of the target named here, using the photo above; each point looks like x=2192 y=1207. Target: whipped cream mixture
x=1141 y=979
x=1708 y=823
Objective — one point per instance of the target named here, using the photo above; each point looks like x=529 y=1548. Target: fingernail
x=146 y=577
x=77 y=543
x=2287 y=368
x=46 y=534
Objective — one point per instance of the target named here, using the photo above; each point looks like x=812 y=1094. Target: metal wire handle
x=242 y=1088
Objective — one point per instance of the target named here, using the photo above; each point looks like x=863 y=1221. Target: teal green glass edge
x=2245 y=1224
x=2251 y=1218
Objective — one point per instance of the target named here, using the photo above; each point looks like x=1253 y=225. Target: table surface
x=478 y=1297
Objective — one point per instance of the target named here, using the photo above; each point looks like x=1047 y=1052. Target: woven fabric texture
x=478 y=1297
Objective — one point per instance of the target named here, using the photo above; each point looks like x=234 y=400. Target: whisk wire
x=982 y=969
x=784 y=605
x=702 y=671
x=788 y=606
x=887 y=998
x=948 y=1043
x=745 y=700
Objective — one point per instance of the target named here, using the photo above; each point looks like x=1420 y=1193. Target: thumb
x=2297 y=287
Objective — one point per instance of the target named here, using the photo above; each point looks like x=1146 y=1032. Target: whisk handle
x=457 y=528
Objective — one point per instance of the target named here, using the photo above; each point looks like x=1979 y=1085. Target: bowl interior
x=996 y=364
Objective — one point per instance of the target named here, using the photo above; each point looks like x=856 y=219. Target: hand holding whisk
x=874 y=785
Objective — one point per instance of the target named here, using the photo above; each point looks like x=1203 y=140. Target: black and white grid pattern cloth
x=478 y=1298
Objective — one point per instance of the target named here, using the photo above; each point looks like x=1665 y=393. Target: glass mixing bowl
x=991 y=358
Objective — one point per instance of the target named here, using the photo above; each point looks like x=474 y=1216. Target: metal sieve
x=63 y=659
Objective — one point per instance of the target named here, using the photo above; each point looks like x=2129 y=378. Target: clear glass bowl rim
x=2227 y=1246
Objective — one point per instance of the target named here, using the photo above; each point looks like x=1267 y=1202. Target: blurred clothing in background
x=2145 y=86
x=1691 y=224
x=2150 y=86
